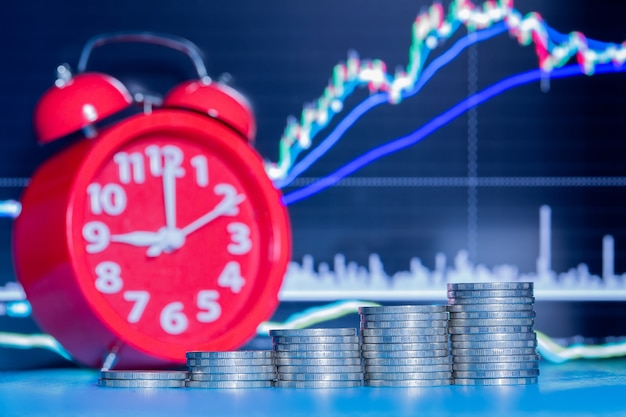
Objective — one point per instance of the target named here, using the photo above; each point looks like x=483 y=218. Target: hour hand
x=138 y=238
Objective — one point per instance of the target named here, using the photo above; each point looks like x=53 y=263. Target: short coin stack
x=237 y=369
x=142 y=379
x=317 y=358
x=405 y=346
x=492 y=333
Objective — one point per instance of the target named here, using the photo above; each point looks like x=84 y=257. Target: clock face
x=174 y=241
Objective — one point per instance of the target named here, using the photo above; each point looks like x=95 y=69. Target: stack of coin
x=142 y=379
x=237 y=369
x=492 y=335
x=317 y=358
x=405 y=346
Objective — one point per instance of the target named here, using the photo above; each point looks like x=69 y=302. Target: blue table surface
x=577 y=388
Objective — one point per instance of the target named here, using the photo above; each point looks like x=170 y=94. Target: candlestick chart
x=554 y=52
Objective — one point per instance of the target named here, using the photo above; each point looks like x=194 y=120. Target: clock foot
x=110 y=358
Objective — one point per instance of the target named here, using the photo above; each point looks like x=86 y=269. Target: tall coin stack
x=317 y=358
x=492 y=335
x=238 y=369
x=405 y=346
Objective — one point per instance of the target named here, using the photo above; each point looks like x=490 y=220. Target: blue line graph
x=438 y=122
x=382 y=98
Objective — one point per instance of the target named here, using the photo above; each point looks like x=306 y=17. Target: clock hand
x=228 y=206
x=168 y=239
x=157 y=242
x=139 y=238
x=169 y=194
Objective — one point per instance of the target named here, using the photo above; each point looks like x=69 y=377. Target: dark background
x=280 y=55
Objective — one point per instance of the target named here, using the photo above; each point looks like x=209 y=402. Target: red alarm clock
x=159 y=235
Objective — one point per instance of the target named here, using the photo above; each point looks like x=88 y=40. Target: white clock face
x=170 y=242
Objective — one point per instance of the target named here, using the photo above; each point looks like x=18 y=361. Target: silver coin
x=459 y=308
x=493 y=352
x=229 y=384
x=403 y=324
x=492 y=300
x=314 y=332
x=201 y=376
x=300 y=347
x=294 y=369
x=483 y=337
x=141 y=383
x=402 y=309
x=489 y=329
x=409 y=383
x=339 y=376
x=519 y=373
x=381 y=347
x=496 y=381
x=405 y=339
x=404 y=316
x=314 y=354
x=369 y=369
x=473 y=286
x=490 y=344
x=318 y=384
x=287 y=340
x=490 y=293
x=230 y=362
x=391 y=376
x=236 y=354
x=493 y=314
x=432 y=361
x=491 y=322
x=409 y=331
x=495 y=366
x=369 y=354
x=318 y=361
x=496 y=358
x=145 y=375
x=233 y=369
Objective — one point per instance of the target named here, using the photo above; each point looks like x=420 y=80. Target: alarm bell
x=77 y=101
x=217 y=100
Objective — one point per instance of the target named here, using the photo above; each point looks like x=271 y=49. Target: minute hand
x=227 y=206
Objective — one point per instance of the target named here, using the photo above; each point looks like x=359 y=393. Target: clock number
x=240 y=237
x=98 y=235
x=173 y=320
x=157 y=156
x=108 y=280
x=199 y=162
x=110 y=199
x=153 y=152
x=231 y=277
x=230 y=198
x=140 y=300
x=130 y=167
x=207 y=300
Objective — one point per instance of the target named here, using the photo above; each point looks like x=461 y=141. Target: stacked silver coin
x=317 y=358
x=405 y=346
x=492 y=335
x=142 y=379
x=237 y=369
